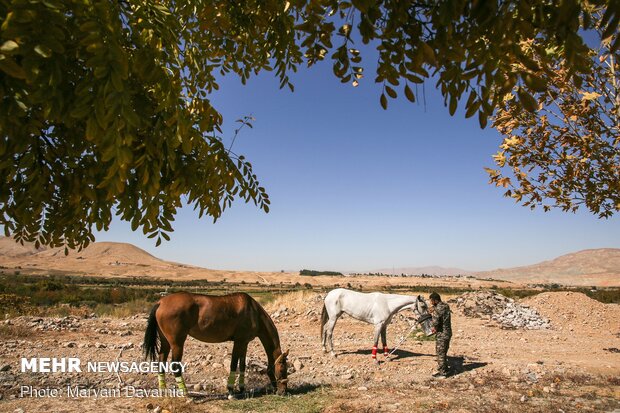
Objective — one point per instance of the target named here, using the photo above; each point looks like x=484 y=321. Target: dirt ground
x=572 y=367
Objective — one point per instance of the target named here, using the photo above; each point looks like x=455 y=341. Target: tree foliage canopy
x=568 y=150
x=104 y=105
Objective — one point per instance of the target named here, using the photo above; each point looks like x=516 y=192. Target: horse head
x=424 y=317
x=280 y=370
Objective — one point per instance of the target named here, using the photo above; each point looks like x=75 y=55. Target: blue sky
x=354 y=187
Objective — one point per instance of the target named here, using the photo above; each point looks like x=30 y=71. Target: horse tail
x=151 y=336
x=324 y=318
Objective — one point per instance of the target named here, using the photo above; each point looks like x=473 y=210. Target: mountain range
x=600 y=267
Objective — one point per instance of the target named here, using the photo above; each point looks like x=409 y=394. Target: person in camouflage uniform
x=443 y=329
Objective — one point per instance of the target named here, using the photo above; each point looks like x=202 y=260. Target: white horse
x=373 y=308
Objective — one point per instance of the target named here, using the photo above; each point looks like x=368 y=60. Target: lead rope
x=402 y=340
x=420 y=320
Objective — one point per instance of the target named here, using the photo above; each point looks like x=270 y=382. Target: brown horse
x=213 y=319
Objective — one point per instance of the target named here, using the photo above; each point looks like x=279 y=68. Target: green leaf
x=409 y=94
x=43 y=51
x=8 y=47
x=528 y=102
x=391 y=92
x=11 y=68
x=383 y=101
x=482 y=119
x=453 y=105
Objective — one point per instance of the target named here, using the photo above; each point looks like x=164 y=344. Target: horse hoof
x=231 y=397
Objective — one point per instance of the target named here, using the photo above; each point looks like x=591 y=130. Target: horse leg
x=378 y=328
x=177 y=355
x=384 y=340
x=232 y=377
x=324 y=338
x=242 y=354
x=329 y=328
x=164 y=350
x=271 y=374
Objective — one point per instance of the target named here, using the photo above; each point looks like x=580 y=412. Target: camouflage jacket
x=441 y=319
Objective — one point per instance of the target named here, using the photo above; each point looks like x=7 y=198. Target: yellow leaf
x=590 y=95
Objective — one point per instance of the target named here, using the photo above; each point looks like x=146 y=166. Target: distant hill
x=430 y=270
x=107 y=253
x=600 y=267
x=10 y=248
x=99 y=258
x=100 y=251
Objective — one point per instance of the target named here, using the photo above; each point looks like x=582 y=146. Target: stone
x=490 y=305
x=5 y=367
x=298 y=364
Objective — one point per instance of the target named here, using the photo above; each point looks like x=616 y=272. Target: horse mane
x=269 y=327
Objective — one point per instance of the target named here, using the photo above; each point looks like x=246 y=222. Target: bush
x=312 y=273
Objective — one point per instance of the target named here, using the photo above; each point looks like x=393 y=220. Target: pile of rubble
x=505 y=311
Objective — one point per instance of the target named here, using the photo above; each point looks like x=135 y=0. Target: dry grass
x=312 y=402
x=11 y=332
x=291 y=300
x=123 y=310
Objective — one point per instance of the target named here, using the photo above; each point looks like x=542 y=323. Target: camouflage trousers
x=442 y=344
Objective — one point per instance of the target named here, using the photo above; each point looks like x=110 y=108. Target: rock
x=347 y=376
x=100 y=345
x=69 y=344
x=5 y=367
x=532 y=377
x=197 y=387
x=157 y=409
x=298 y=364
x=149 y=406
x=523 y=398
x=490 y=305
x=126 y=333
x=217 y=365
x=362 y=388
